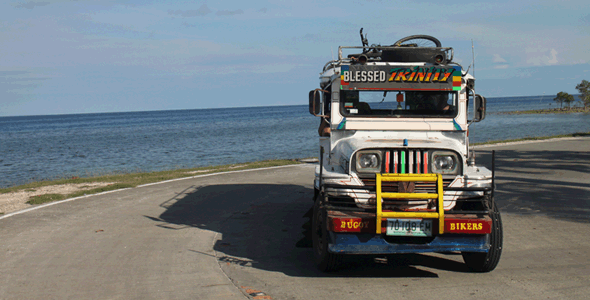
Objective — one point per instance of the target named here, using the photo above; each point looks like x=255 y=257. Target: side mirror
x=479 y=108
x=315 y=102
x=470 y=83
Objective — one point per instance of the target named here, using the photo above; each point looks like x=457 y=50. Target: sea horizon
x=217 y=108
x=46 y=147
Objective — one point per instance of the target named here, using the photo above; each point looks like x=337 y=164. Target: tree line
x=583 y=88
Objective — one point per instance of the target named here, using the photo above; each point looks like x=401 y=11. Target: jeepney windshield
x=423 y=104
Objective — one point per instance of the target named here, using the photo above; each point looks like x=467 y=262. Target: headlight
x=368 y=161
x=445 y=162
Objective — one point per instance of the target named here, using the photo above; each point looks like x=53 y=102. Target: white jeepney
x=396 y=173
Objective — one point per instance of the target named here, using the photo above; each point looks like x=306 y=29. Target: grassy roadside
x=577 y=134
x=132 y=180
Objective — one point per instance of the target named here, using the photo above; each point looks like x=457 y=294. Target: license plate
x=409 y=227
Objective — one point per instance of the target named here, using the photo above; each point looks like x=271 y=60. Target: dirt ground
x=14 y=201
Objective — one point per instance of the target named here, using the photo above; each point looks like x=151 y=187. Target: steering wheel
x=418 y=41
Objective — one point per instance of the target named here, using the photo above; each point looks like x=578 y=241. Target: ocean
x=34 y=148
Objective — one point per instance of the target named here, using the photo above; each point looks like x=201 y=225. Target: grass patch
x=111 y=187
x=134 y=179
x=45 y=198
x=577 y=134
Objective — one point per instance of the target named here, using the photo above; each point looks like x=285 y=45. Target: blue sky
x=66 y=56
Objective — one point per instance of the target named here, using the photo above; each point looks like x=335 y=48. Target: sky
x=78 y=56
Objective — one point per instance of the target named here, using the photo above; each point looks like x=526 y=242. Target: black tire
x=420 y=41
x=324 y=260
x=486 y=262
x=316 y=192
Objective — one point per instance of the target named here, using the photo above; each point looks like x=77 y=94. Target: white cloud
x=498 y=59
x=553 y=59
x=186 y=24
x=501 y=67
x=541 y=57
x=229 y=12
x=523 y=73
x=522 y=46
x=31 y=4
x=202 y=11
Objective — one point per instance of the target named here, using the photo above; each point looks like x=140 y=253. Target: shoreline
x=35 y=193
x=31 y=194
x=572 y=110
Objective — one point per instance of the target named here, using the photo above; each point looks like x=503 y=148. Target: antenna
x=332 y=50
x=471 y=159
x=473 y=57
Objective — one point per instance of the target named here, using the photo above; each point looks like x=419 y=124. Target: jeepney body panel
x=414 y=136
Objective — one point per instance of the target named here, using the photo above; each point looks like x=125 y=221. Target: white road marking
x=143 y=185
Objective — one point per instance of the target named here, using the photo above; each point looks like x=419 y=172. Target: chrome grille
x=405 y=161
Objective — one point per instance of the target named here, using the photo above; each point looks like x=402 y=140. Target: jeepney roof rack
x=413 y=48
x=377 y=53
x=431 y=55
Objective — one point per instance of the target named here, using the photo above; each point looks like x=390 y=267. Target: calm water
x=49 y=147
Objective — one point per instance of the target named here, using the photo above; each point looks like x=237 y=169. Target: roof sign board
x=400 y=78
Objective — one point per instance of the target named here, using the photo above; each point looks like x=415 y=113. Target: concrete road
x=228 y=236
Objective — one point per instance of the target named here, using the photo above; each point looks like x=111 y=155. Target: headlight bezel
x=357 y=158
x=457 y=163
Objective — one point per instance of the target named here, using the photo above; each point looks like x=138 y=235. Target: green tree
x=562 y=97
x=568 y=100
x=584 y=89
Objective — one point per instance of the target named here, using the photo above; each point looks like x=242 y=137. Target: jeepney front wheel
x=324 y=260
x=486 y=262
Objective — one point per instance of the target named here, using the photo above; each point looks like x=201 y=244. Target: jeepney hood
x=346 y=143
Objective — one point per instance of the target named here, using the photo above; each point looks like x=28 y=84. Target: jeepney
x=396 y=173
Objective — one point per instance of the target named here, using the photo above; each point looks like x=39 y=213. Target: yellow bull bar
x=440 y=214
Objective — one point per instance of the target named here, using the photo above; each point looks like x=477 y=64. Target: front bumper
x=354 y=233
x=368 y=243
x=354 y=230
